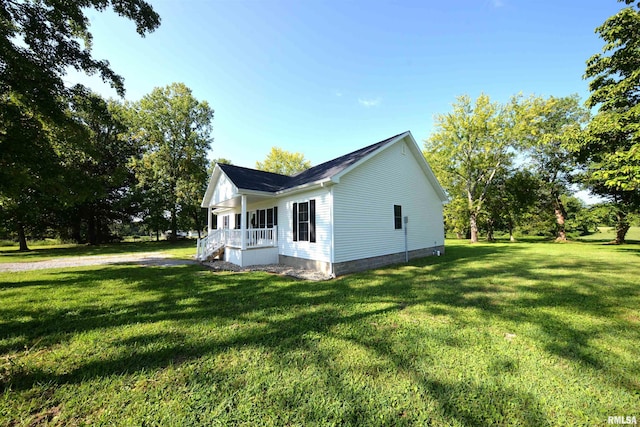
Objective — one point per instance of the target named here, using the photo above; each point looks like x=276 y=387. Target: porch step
x=217 y=253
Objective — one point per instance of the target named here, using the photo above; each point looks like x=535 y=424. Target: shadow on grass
x=264 y=311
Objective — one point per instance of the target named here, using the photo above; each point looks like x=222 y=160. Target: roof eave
x=431 y=176
x=249 y=192
x=308 y=186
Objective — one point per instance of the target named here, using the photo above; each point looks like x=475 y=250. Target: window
x=272 y=217
x=225 y=222
x=397 y=216
x=304 y=221
x=214 y=221
x=262 y=218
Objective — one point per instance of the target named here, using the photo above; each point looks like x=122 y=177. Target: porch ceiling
x=236 y=200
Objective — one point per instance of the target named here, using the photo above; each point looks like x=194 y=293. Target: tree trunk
x=511 y=238
x=157 y=235
x=473 y=221
x=490 y=237
x=100 y=236
x=91 y=228
x=76 y=227
x=622 y=226
x=174 y=224
x=561 y=215
x=196 y=222
x=22 y=238
x=459 y=235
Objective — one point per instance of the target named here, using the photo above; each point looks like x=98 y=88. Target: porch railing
x=208 y=245
x=255 y=238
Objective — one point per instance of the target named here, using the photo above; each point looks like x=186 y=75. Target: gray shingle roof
x=252 y=179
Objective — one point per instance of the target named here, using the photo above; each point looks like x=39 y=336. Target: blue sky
x=325 y=77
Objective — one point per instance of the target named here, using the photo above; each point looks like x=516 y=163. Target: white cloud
x=497 y=3
x=370 y=102
x=338 y=93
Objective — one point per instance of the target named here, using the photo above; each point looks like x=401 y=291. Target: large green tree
x=39 y=42
x=469 y=147
x=283 y=162
x=174 y=129
x=548 y=126
x=513 y=196
x=611 y=147
x=30 y=169
x=102 y=177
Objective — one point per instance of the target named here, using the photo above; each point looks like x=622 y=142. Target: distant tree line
x=516 y=165
x=117 y=167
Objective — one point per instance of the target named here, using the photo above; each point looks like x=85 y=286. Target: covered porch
x=251 y=241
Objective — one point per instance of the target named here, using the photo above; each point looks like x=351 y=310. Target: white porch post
x=243 y=223
x=209 y=225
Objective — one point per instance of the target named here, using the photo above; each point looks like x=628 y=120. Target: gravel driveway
x=156 y=259
x=143 y=258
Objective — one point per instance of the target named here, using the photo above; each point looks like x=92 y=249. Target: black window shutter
x=312 y=220
x=275 y=215
x=295 y=222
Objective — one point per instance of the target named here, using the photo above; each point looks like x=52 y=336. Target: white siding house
x=378 y=205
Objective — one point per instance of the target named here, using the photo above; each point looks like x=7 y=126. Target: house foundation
x=307 y=264
x=346 y=267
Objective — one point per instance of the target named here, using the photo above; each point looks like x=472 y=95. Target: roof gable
x=268 y=182
x=334 y=167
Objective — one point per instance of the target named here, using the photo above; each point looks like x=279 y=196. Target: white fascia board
x=213 y=180
x=305 y=187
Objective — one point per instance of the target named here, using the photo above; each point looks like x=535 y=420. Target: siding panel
x=321 y=249
x=363 y=207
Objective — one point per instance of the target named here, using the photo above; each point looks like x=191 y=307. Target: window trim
x=310 y=234
x=303 y=224
x=397 y=217
x=269 y=221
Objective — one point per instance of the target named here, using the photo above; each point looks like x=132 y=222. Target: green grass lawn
x=511 y=334
x=180 y=249
x=608 y=234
